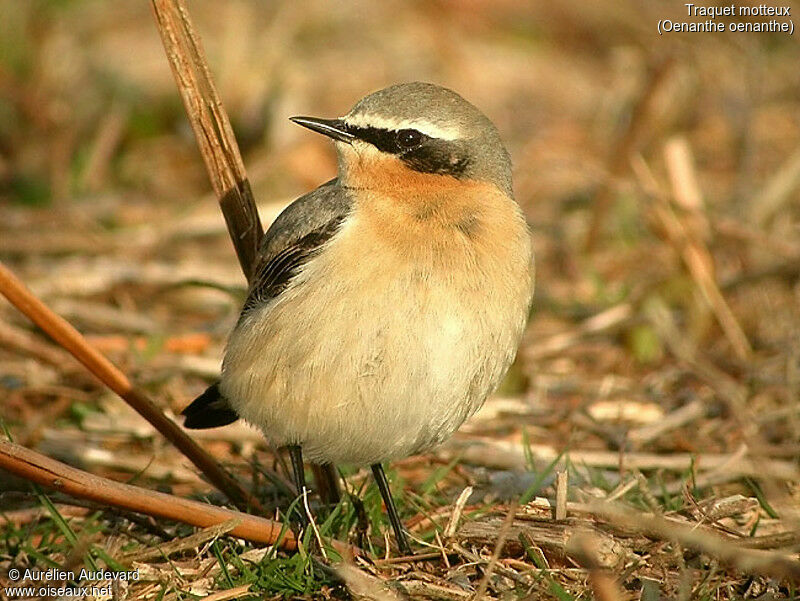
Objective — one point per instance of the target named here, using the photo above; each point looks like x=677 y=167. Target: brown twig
x=212 y=129
x=562 y=488
x=498 y=549
x=458 y=509
x=685 y=185
x=685 y=239
x=72 y=340
x=686 y=235
x=69 y=480
x=221 y=154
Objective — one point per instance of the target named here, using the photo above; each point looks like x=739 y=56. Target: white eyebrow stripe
x=426 y=127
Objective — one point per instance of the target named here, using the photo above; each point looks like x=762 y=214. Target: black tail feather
x=209 y=410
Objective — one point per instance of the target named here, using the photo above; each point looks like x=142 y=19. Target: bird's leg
x=383 y=486
x=296 y=455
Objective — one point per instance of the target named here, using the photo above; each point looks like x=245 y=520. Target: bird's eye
x=408 y=138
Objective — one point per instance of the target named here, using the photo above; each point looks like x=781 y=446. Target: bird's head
x=415 y=134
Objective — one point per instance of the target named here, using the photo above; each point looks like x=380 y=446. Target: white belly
x=384 y=362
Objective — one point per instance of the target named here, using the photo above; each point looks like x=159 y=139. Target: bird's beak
x=333 y=128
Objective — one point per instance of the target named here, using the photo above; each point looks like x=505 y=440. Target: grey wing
x=301 y=229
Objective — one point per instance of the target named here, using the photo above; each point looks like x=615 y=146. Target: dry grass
x=660 y=369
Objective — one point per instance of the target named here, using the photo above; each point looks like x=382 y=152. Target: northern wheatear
x=389 y=302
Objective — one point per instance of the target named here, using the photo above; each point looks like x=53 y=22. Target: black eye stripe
x=420 y=152
x=386 y=139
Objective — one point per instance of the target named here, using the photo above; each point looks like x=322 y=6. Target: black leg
x=296 y=455
x=383 y=486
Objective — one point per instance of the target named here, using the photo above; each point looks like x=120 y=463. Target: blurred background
x=660 y=176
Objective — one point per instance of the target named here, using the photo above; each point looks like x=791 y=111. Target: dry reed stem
x=221 y=155
x=498 y=549
x=212 y=129
x=56 y=475
x=458 y=509
x=687 y=239
x=685 y=186
x=105 y=371
x=562 y=489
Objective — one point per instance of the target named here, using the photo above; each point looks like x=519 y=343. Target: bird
x=389 y=302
